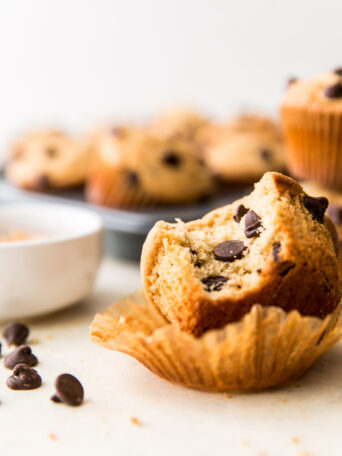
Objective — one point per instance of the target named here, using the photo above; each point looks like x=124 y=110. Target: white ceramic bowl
x=58 y=269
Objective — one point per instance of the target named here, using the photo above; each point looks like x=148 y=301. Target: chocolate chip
x=240 y=212
x=316 y=207
x=275 y=251
x=338 y=71
x=43 y=182
x=197 y=264
x=68 y=390
x=252 y=224
x=214 y=283
x=291 y=81
x=51 y=152
x=15 y=333
x=171 y=158
x=266 y=155
x=24 y=378
x=333 y=91
x=335 y=213
x=21 y=355
x=284 y=267
x=259 y=271
x=229 y=250
x=55 y=398
x=131 y=178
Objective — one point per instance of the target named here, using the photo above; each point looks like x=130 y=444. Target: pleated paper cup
x=314 y=144
x=266 y=348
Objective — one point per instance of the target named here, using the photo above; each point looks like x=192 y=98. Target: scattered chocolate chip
x=252 y=224
x=51 y=152
x=55 y=398
x=335 y=213
x=266 y=155
x=259 y=271
x=68 y=390
x=291 y=81
x=316 y=207
x=214 y=283
x=284 y=267
x=338 y=71
x=43 y=182
x=333 y=91
x=229 y=250
x=15 y=333
x=275 y=251
x=240 y=212
x=21 y=355
x=131 y=178
x=24 y=378
x=171 y=158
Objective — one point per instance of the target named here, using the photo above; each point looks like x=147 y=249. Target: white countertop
x=301 y=420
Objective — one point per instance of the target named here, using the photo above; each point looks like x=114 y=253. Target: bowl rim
x=95 y=223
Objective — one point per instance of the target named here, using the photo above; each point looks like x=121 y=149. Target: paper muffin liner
x=105 y=187
x=266 y=348
x=314 y=144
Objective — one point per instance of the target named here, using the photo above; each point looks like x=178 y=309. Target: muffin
x=48 y=160
x=273 y=247
x=244 y=150
x=133 y=169
x=312 y=120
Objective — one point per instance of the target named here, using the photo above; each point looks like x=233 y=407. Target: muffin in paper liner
x=266 y=348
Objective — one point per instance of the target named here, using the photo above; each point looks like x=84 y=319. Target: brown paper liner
x=314 y=144
x=266 y=348
x=106 y=187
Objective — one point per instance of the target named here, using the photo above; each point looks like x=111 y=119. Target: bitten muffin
x=245 y=149
x=48 y=160
x=178 y=124
x=135 y=169
x=312 y=121
x=271 y=247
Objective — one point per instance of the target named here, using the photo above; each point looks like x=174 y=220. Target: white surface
x=76 y=62
x=56 y=269
x=303 y=419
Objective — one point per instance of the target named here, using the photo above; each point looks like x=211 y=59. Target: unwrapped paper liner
x=266 y=348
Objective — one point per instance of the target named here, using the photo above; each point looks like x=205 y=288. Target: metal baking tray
x=125 y=230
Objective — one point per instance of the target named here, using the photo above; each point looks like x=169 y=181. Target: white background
x=75 y=63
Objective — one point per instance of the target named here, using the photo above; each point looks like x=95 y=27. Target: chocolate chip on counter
x=316 y=207
x=335 y=213
x=252 y=224
x=131 y=178
x=284 y=267
x=240 y=212
x=275 y=251
x=266 y=155
x=229 y=250
x=15 y=333
x=21 y=355
x=333 y=91
x=24 y=378
x=214 y=283
x=55 y=398
x=172 y=159
x=68 y=390
x=338 y=71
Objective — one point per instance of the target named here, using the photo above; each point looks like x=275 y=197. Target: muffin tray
x=125 y=230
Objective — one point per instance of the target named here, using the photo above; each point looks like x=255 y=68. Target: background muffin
x=133 y=168
x=312 y=121
x=245 y=149
x=48 y=160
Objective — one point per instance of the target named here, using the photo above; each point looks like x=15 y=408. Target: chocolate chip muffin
x=245 y=149
x=312 y=121
x=135 y=169
x=272 y=247
x=48 y=160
